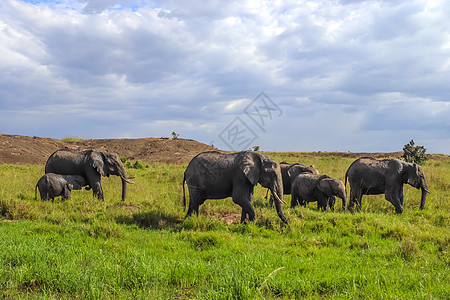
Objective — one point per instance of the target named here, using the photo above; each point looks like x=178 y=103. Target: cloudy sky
x=341 y=75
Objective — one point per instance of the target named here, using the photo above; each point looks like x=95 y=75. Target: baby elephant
x=321 y=188
x=52 y=185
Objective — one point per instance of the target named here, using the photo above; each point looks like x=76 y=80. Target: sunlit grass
x=143 y=248
x=72 y=139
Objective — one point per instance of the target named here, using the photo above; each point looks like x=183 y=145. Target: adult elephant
x=315 y=187
x=91 y=164
x=289 y=172
x=369 y=176
x=215 y=175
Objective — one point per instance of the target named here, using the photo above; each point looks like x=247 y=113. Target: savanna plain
x=143 y=248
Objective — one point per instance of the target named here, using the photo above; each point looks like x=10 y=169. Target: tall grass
x=143 y=248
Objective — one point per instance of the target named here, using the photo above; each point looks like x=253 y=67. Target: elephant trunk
x=344 y=201
x=424 y=187
x=277 y=192
x=424 y=198
x=123 y=176
x=278 y=195
x=124 y=188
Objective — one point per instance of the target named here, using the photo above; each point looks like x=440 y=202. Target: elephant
x=91 y=164
x=315 y=187
x=52 y=185
x=216 y=175
x=289 y=172
x=369 y=176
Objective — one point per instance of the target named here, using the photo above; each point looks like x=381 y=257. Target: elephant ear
x=313 y=169
x=77 y=184
x=325 y=185
x=250 y=164
x=411 y=174
x=97 y=162
x=292 y=171
x=297 y=169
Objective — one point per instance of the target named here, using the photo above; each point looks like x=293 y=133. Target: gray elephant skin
x=369 y=176
x=321 y=188
x=289 y=172
x=53 y=185
x=91 y=164
x=215 y=175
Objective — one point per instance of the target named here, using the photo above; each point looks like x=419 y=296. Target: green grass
x=72 y=139
x=84 y=248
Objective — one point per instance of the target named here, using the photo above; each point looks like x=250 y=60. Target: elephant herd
x=217 y=175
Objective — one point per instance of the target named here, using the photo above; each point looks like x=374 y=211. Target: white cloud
x=137 y=68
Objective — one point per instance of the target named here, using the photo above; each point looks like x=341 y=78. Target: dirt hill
x=17 y=149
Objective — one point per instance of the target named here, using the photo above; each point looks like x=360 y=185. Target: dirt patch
x=229 y=218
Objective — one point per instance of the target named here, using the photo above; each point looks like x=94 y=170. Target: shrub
x=414 y=154
x=175 y=135
x=129 y=165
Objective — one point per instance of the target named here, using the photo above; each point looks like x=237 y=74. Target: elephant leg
x=96 y=185
x=400 y=195
x=302 y=202
x=354 y=195
x=395 y=200
x=195 y=200
x=322 y=202
x=294 y=199
x=331 y=201
x=44 y=196
x=359 y=203
x=351 y=201
x=358 y=200
x=243 y=196
x=247 y=211
x=271 y=200
x=66 y=193
x=97 y=190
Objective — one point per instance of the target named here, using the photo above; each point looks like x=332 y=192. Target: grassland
x=144 y=249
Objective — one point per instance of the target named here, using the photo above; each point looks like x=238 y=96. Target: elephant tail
x=184 y=193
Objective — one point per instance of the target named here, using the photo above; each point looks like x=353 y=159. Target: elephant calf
x=321 y=188
x=52 y=185
x=289 y=172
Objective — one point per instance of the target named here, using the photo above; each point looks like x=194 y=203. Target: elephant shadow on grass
x=151 y=219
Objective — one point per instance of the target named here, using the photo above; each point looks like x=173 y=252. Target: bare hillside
x=17 y=149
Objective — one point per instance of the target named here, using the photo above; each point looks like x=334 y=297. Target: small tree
x=175 y=135
x=414 y=154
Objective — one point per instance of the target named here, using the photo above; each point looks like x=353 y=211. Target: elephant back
x=65 y=161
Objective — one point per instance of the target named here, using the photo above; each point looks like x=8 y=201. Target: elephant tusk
x=278 y=198
x=127 y=181
x=427 y=191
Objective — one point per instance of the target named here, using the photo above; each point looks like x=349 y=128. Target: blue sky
x=360 y=76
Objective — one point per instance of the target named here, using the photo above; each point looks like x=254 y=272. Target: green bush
x=414 y=154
